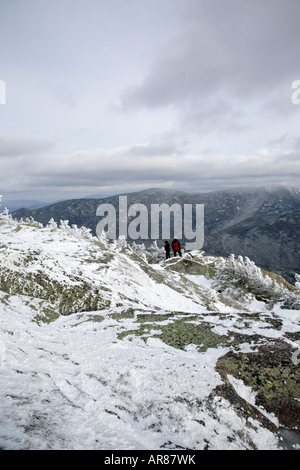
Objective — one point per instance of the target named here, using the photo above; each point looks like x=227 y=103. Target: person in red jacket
x=176 y=247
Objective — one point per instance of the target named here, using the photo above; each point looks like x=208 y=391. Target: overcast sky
x=107 y=96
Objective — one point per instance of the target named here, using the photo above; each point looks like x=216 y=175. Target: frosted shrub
x=64 y=226
x=30 y=221
x=155 y=254
x=78 y=232
x=119 y=244
x=240 y=278
x=103 y=238
x=52 y=225
x=292 y=301
x=6 y=213
x=152 y=254
x=297 y=283
x=82 y=232
x=139 y=250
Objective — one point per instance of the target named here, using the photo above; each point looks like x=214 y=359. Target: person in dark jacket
x=167 y=248
x=176 y=247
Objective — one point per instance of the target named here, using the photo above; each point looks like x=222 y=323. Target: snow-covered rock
x=101 y=349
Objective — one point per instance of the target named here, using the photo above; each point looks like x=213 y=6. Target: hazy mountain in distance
x=15 y=204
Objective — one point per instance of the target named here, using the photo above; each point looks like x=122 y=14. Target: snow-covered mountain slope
x=101 y=349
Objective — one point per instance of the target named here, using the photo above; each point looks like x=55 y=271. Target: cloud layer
x=143 y=166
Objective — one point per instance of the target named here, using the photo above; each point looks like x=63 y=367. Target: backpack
x=176 y=245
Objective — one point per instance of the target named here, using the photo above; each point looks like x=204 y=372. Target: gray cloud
x=66 y=96
x=117 y=170
x=227 y=73
x=242 y=48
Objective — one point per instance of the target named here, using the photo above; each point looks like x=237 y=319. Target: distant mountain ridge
x=13 y=205
x=263 y=224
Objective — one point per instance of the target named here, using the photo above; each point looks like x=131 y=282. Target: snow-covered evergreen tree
x=241 y=279
x=103 y=238
x=155 y=254
x=52 y=225
x=139 y=249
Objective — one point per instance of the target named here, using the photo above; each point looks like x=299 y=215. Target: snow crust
x=74 y=384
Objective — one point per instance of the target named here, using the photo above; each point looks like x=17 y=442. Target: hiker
x=167 y=249
x=176 y=247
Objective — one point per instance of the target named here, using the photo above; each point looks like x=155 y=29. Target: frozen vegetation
x=109 y=346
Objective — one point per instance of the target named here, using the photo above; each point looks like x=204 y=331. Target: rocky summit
x=260 y=223
x=110 y=346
